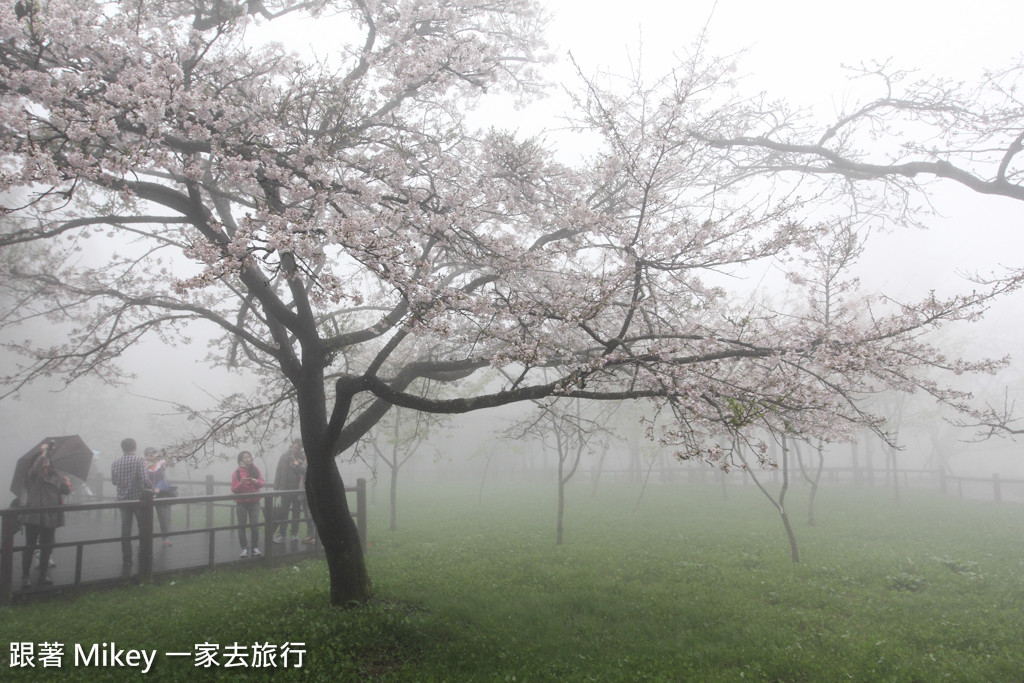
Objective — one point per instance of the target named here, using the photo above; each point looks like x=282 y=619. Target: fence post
x=146 y=536
x=7 y=530
x=268 y=525
x=942 y=481
x=361 y=510
x=997 y=488
x=209 y=504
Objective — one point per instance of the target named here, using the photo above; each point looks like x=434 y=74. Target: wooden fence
x=199 y=556
x=995 y=487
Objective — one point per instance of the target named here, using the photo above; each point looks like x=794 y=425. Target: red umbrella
x=69 y=454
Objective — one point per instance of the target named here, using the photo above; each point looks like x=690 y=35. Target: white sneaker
x=245 y=552
x=295 y=537
x=256 y=552
x=278 y=538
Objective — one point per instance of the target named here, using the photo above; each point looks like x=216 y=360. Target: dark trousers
x=127 y=515
x=163 y=518
x=41 y=537
x=249 y=516
x=292 y=505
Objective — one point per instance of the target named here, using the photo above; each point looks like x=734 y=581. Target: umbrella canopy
x=69 y=454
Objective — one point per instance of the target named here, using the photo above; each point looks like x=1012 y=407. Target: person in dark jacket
x=289 y=476
x=43 y=488
x=247 y=479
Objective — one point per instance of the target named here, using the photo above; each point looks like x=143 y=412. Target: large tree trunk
x=325 y=491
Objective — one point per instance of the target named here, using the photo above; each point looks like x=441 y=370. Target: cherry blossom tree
x=885 y=156
x=832 y=299
x=337 y=229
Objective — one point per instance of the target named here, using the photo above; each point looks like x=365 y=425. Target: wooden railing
x=994 y=487
x=9 y=523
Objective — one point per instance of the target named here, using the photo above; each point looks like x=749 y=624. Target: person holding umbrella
x=44 y=487
x=68 y=454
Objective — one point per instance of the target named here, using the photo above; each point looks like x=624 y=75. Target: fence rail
x=995 y=487
x=197 y=557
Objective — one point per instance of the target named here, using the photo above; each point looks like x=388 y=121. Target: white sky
x=795 y=49
x=798 y=44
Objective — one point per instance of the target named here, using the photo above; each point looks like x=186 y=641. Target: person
x=247 y=479
x=44 y=488
x=290 y=475
x=156 y=466
x=128 y=473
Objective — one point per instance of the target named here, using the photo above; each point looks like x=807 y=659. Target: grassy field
x=689 y=587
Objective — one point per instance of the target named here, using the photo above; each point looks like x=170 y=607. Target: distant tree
x=395 y=439
x=338 y=231
x=811 y=474
x=565 y=428
x=832 y=304
x=895 y=405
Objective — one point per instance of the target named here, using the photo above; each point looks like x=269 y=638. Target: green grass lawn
x=689 y=587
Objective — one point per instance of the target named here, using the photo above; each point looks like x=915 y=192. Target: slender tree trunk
x=812 y=480
x=561 y=507
x=562 y=454
x=794 y=549
x=394 y=463
x=483 y=480
x=780 y=502
x=811 y=521
x=869 y=461
x=328 y=505
x=394 y=496
x=643 y=487
x=855 y=462
x=635 y=466
x=600 y=468
x=814 y=486
x=895 y=476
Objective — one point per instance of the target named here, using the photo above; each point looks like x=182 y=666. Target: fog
x=795 y=51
